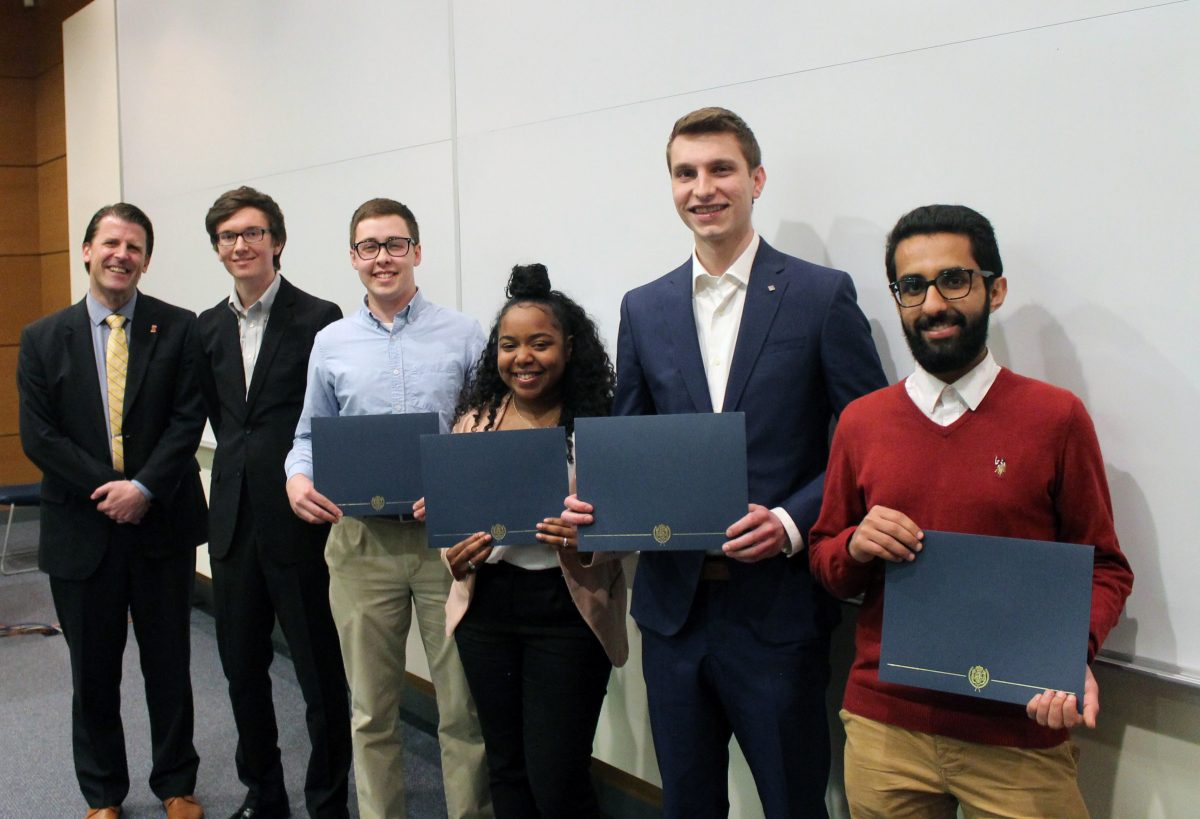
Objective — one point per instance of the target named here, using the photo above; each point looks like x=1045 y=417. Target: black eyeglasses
x=397 y=247
x=253 y=235
x=952 y=283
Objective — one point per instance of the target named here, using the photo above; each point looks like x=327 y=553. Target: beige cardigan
x=598 y=589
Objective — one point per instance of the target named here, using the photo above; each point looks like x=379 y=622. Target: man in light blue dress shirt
x=398 y=353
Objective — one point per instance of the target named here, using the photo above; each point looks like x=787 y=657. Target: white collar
x=738 y=272
x=266 y=299
x=926 y=388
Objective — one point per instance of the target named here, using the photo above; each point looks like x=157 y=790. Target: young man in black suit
x=267 y=564
x=111 y=414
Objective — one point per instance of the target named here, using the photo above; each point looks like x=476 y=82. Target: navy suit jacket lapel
x=681 y=335
x=77 y=342
x=764 y=294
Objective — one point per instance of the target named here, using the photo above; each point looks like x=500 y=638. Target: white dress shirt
x=717 y=303
x=945 y=403
x=252 y=323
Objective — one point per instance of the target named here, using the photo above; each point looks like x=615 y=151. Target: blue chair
x=21 y=494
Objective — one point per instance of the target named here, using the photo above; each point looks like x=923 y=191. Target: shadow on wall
x=800 y=239
x=856 y=246
x=1053 y=357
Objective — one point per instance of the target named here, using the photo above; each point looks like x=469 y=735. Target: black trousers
x=250 y=591
x=538 y=676
x=94 y=614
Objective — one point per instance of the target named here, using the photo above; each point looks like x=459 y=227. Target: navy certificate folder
x=992 y=617
x=503 y=483
x=370 y=464
x=661 y=482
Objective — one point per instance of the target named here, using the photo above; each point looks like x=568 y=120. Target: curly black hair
x=589 y=378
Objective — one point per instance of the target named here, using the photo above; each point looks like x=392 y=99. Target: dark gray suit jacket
x=255 y=430
x=63 y=432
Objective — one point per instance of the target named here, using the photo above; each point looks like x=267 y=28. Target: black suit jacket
x=63 y=432
x=803 y=352
x=254 y=430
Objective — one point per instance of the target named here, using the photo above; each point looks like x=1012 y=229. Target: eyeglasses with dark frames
x=252 y=235
x=397 y=247
x=952 y=283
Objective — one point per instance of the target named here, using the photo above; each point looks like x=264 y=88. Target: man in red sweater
x=961 y=445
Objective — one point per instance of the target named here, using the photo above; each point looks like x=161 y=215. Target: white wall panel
x=93 y=126
x=317 y=204
x=217 y=92
x=528 y=61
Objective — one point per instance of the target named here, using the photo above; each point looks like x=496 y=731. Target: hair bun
x=528 y=281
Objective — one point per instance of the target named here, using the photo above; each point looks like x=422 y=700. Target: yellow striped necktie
x=116 y=365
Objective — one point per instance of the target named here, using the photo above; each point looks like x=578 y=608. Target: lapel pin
x=153 y=328
x=770 y=288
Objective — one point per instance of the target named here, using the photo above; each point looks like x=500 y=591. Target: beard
x=952 y=354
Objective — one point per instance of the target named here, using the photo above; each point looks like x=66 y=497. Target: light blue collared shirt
x=98 y=315
x=359 y=366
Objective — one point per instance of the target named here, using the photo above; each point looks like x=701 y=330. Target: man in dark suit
x=111 y=414
x=266 y=562
x=737 y=642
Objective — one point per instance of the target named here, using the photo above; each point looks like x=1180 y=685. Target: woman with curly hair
x=540 y=626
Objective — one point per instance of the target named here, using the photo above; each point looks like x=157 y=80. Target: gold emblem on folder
x=978 y=677
x=1001 y=466
x=499 y=530
x=377 y=502
x=662 y=533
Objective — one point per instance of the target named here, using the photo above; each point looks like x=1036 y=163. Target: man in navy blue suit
x=736 y=642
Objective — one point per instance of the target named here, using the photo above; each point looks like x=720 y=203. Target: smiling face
x=947 y=338
x=252 y=264
x=389 y=280
x=116 y=259
x=532 y=355
x=714 y=188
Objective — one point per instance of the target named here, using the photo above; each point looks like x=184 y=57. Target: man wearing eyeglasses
x=398 y=353
x=267 y=565
x=961 y=445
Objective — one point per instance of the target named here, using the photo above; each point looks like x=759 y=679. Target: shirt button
x=395 y=372
x=397 y=407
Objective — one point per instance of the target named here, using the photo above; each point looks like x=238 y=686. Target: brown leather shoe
x=183 y=807
x=103 y=813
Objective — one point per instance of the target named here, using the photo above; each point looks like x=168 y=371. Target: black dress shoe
x=264 y=812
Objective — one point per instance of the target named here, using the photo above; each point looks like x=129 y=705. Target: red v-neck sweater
x=1025 y=464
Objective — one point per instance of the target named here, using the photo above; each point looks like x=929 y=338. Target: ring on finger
x=471 y=567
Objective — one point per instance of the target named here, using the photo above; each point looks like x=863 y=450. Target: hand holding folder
x=999 y=618
x=661 y=482
x=504 y=483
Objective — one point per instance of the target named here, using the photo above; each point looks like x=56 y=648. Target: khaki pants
x=895 y=773
x=379 y=571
